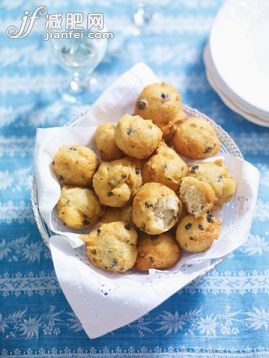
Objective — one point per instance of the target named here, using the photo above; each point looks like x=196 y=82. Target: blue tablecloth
x=227 y=311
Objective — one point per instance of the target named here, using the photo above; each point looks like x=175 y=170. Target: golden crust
x=112 y=246
x=161 y=103
x=217 y=175
x=117 y=214
x=156 y=208
x=115 y=183
x=75 y=165
x=197 y=234
x=195 y=138
x=156 y=252
x=105 y=142
x=165 y=167
x=78 y=208
x=137 y=137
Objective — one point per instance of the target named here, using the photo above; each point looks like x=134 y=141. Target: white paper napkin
x=105 y=301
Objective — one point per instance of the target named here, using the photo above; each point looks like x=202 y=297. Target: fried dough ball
x=165 y=167
x=78 y=208
x=137 y=137
x=75 y=165
x=195 y=138
x=156 y=208
x=217 y=175
x=115 y=183
x=156 y=252
x=105 y=142
x=197 y=196
x=112 y=246
x=161 y=103
x=197 y=234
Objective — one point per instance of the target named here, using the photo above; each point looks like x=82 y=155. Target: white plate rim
x=251 y=105
x=213 y=81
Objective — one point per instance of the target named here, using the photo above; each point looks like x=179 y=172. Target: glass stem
x=79 y=82
x=143 y=15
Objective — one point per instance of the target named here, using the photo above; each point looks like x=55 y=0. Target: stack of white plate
x=237 y=58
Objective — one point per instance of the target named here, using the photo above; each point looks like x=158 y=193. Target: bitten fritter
x=117 y=214
x=161 y=103
x=197 y=196
x=75 y=165
x=105 y=142
x=112 y=246
x=115 y=183
x=195 y=138
x=197 y=234
x=156 y=252
x=137 y=137
x=217 y=175
x=156 y=208
x=165 y=167
x=78 y=208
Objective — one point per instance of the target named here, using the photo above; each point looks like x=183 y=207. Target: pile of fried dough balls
x=147 y=201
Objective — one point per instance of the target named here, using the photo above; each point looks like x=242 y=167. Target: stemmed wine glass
x=79 y=56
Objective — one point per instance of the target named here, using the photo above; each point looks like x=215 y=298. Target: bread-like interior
x=198 y=196
x=166 y=212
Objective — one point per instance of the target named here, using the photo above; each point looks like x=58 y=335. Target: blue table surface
x=227 y=311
